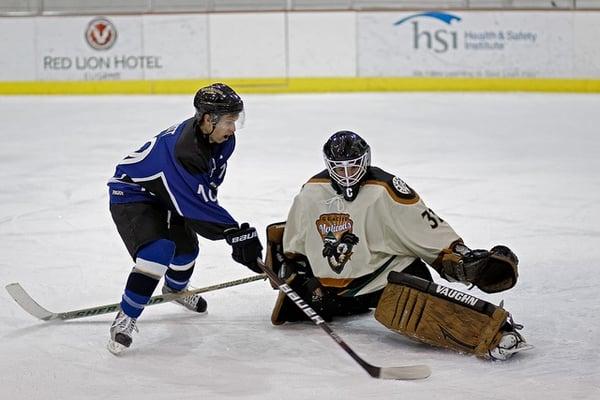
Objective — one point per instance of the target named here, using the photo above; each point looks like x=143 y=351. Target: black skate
x=194 y=302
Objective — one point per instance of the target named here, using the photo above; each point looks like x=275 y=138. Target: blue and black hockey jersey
x=181 y=170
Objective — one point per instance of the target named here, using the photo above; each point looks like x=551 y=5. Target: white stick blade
x=27 y=303
x=405 y=373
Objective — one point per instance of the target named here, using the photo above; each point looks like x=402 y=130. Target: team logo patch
x=338 y=239
x=101 y=34
x=400 y=186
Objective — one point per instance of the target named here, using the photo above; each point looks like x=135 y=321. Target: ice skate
x=511 y=342
x=121 y=333
x=194 y=302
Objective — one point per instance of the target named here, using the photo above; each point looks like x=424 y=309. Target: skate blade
x=519 y=348
x=115 y=347
x=191 y=309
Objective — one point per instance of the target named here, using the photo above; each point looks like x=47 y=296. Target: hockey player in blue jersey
x=165 y=194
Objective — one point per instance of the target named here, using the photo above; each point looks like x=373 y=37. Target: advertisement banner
x=466 y=44
x=121 y=47
x=303 y=51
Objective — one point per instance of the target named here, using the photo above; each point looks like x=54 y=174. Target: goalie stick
x=28 y=304
x=403 y=373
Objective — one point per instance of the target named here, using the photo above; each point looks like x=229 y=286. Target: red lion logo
x=101 y=34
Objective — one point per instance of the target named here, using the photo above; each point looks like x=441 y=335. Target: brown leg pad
x=439 y=319
x=274 y=250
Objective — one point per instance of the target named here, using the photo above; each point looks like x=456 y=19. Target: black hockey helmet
x=347 y=157
x=217 y=100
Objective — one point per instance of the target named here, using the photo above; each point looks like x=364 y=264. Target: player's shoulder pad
x=398 y=190
x=321 y=177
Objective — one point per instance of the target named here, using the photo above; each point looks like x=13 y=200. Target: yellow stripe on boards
x=304 y=85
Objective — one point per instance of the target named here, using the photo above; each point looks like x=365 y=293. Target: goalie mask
x=219 y=100
x=347 y=157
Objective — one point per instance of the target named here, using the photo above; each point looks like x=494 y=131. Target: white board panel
x=181 y=42
x=586 y=40
x=17 y=47
x=247 y=45
x=322 y=44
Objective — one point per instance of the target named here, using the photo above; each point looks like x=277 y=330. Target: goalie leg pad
x=274 y=254
x=440 y=316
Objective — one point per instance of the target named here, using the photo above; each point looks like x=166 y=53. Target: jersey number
x=143 y=151
x=432 y=218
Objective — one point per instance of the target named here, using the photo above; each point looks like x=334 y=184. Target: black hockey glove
x=290 y=270
x=245 y=246
x=491 y=271
x=328 y=304
x=471 y=264
x=501 y=271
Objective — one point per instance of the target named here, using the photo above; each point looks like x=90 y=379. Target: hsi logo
x=439 y=40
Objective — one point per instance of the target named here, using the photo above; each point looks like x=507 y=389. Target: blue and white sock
x=152 y=261
x=180 y=271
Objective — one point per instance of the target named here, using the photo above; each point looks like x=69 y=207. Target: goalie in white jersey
x=357 y=238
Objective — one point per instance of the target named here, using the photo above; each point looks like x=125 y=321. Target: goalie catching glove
x=491 y=271
x=245 y=246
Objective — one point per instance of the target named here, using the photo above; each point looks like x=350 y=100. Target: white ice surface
x=516 y=169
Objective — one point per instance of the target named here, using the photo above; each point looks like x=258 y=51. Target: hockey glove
x=501 y=271
x=245 y=246
x=491 y=271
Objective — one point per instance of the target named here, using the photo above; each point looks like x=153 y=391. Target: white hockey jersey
x=392 y=224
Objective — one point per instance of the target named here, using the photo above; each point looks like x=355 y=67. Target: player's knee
x=155 y=257
x=183 y=262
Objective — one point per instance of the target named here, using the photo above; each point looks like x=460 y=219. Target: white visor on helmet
x=227 y=121
x=348 y=173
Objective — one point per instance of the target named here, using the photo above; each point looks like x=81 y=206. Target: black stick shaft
x=317 y=319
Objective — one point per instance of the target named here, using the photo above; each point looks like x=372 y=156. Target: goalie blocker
x=444 y=317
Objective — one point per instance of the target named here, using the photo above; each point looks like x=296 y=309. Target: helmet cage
x=348 y=173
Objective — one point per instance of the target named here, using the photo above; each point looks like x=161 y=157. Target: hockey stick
x=28 y=304
x=404 y=373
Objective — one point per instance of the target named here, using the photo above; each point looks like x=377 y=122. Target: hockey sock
x=180 y=271
x=150 y=265
x=137 y=293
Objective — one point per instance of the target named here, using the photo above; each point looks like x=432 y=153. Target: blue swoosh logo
x=444 y=17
